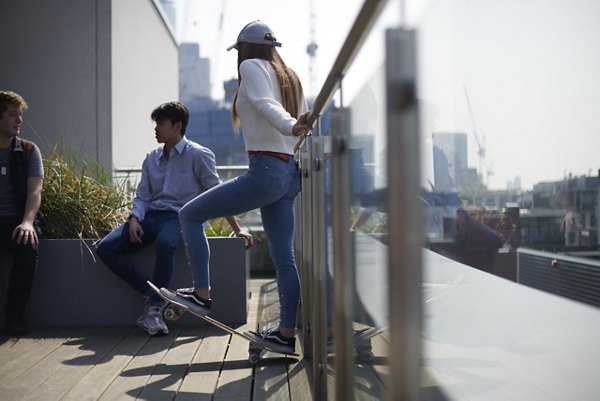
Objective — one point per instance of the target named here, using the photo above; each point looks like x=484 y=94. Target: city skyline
x=529 y=68
x=530 y=72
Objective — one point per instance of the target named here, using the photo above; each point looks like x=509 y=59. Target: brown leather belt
x=282 y=156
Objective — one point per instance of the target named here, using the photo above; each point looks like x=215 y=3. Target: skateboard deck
x=366 y=334
x=255 y=349
x=362 y=342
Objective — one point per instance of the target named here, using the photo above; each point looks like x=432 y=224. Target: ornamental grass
x=80 y=199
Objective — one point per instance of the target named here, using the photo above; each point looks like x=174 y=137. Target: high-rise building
x=449 y=159
x=514 y=185
x=194 y=73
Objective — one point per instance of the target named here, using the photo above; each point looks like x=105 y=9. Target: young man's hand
x=25 y=233
x=135 y=230
x=247 y=237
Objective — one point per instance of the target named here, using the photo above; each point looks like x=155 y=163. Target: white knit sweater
x=265 y=124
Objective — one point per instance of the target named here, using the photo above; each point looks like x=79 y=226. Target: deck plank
x=380 y=363
x=191 y=363
x=132 y=380
x=109 y=366
x=299 y=376
x=15 y=364
x=271 y=373
x=271 y=378
x=235 y=381
x=367 y=385
x=165 y=380
x=203 y=375
x=42 y=371
x=90 y=350
x=45 y=345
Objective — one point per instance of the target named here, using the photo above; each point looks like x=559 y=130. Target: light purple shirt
x=169 y=183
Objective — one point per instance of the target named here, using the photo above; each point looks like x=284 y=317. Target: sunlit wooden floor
x=191 y=363
x=114 y=363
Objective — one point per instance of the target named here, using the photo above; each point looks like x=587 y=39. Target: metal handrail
x=366 y=18
x=344 y=366
x=137 y=170
x=368 y=15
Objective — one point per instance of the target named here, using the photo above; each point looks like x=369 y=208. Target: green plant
x=80 y=199
x=218 y=227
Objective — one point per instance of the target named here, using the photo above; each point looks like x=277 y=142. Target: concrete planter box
x=73 y=287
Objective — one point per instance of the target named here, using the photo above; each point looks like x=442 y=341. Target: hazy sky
x=532 y=72
x=531 y=69
x=215 y=24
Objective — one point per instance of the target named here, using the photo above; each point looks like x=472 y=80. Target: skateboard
x=173 y=310
x=362 y=342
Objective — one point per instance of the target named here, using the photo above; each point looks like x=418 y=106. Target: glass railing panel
x=508 y=118
x=357 y=218
x=508 y=98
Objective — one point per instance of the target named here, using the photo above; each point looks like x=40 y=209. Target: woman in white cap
x=271 y=110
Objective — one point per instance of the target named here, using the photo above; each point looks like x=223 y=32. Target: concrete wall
x=91 y=71
x=50 y=56
x=145 y=73
x=73 y=287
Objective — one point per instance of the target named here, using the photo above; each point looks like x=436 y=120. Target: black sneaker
x=272 y=340
x=363 y=335
x=360 y=336
x=189 y=299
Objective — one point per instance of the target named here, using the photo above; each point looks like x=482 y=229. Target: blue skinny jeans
x=161 y=229
x=270 y=184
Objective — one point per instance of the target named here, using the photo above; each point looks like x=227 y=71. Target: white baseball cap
x=256 y=32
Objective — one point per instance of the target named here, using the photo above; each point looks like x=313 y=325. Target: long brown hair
x=291 y=88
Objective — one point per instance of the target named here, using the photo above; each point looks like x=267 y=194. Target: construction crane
x=481 y=152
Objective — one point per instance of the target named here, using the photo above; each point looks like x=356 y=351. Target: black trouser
x=25 y=260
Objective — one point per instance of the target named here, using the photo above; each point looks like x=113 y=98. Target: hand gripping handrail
x=366 y=18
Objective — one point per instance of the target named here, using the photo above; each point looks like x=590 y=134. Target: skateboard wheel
x=366 y=355
x=172 y=312
x=253 y=356
x=364 y=351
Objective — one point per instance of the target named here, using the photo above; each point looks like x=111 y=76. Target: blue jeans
x=160 y=228
x=270 y=184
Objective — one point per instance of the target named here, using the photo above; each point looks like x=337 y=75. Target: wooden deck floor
x=114 y=363
x=191 y=363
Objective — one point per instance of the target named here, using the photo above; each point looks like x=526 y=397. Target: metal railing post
x=343 y=266
x=319 y=259
x=404 y=216
x=305 y=258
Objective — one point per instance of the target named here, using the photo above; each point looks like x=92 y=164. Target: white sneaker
x=140 y=320
x=154 y=323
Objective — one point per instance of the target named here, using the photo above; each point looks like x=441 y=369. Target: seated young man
x=172 y=174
